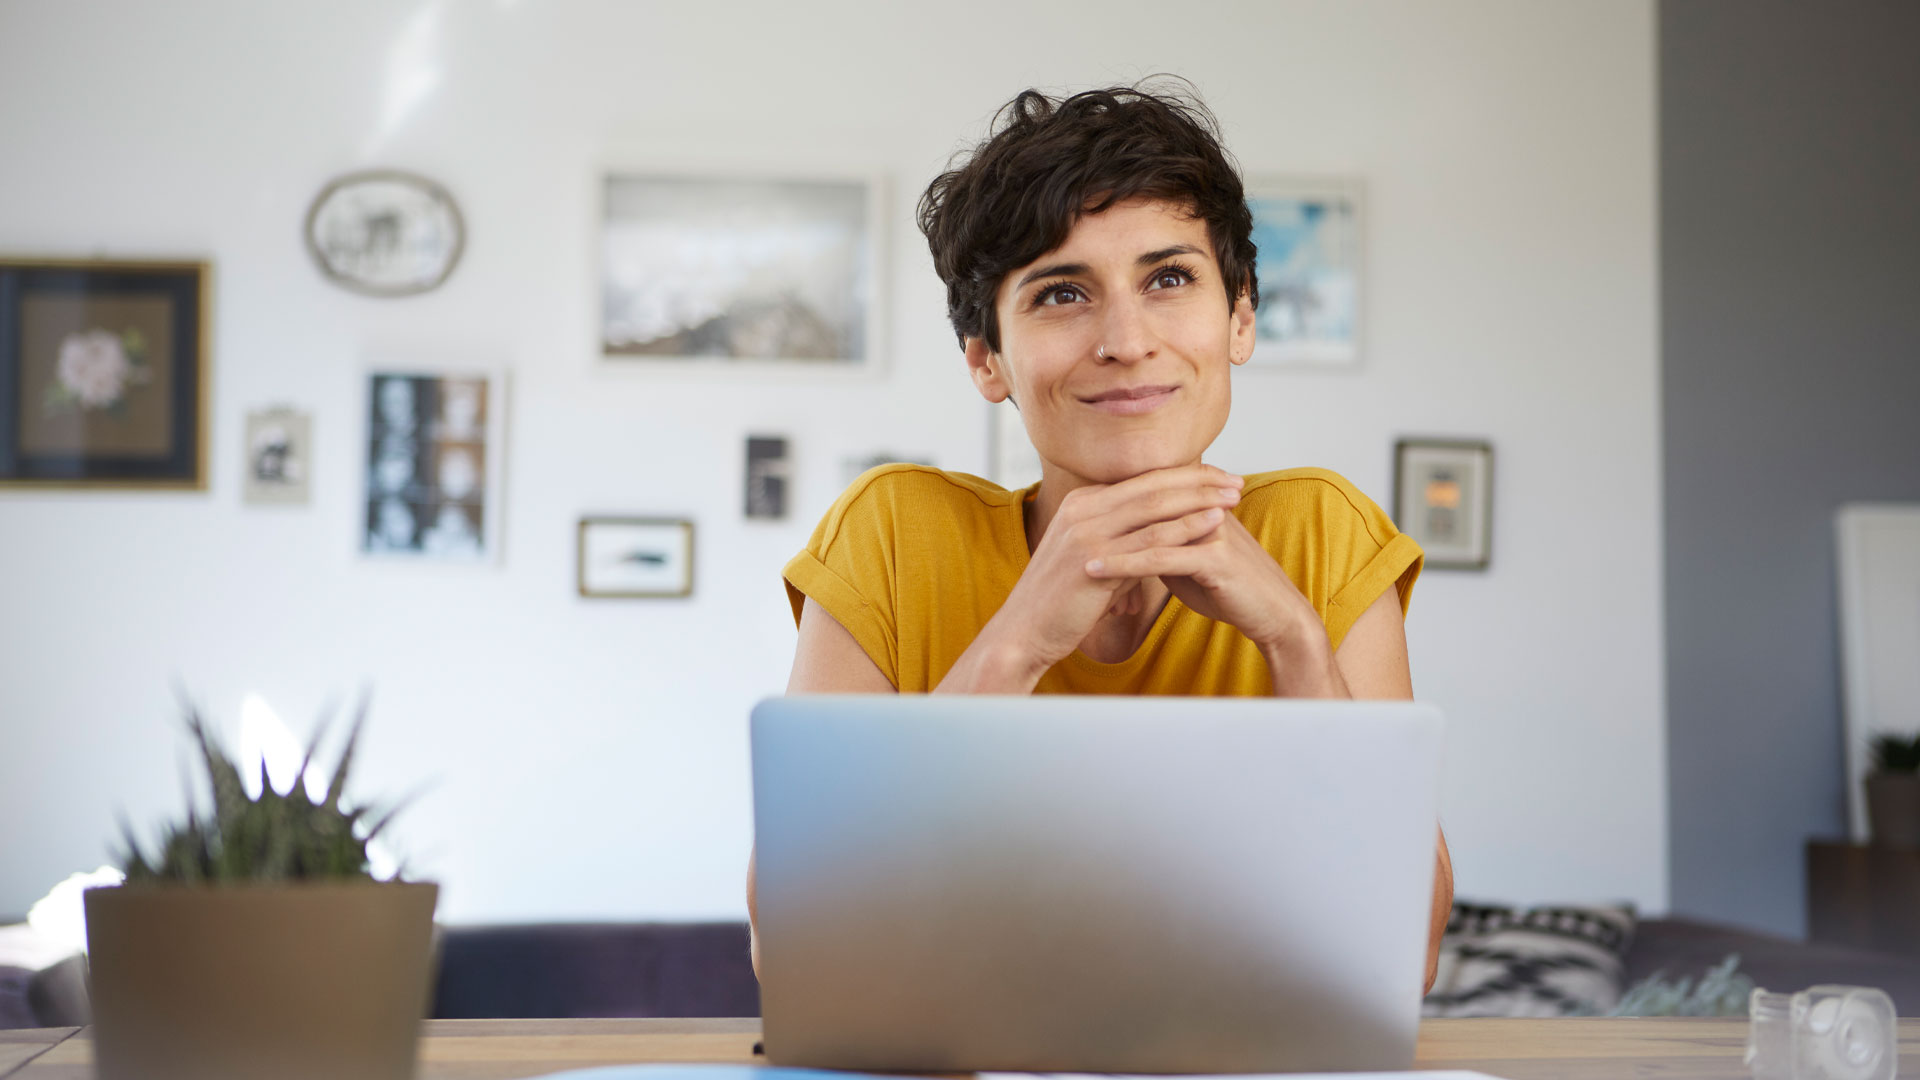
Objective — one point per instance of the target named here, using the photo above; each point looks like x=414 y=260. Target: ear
x=1240 y=330
x=989 y=372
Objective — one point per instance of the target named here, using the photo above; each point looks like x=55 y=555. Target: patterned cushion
x=1544 y=961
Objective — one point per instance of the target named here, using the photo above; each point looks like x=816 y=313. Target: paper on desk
x=1451 y=1074
x=776 y=1073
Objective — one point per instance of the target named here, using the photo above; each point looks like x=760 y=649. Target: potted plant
x=1893 y=791
x=256 y=943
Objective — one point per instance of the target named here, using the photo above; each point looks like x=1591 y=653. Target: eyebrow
x=1071 y=269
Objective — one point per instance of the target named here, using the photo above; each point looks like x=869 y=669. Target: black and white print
x=432 y=474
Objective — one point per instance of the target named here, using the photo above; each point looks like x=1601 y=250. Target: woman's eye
x=1060 y=294
x=1170 y=278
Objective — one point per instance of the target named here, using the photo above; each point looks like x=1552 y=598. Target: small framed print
x=769 y=471
x=1443 y=498
x=435 y=446
x=103 y=374
x=279 y=453
x=635 y=557
x=1310 y=233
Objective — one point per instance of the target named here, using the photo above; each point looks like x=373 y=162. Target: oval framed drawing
x=385 y=233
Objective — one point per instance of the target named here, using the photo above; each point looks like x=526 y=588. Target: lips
x=1131 y=400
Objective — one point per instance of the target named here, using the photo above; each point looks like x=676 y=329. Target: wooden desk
x=507 y=1049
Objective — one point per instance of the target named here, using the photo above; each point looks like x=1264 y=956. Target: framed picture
x=435 y=446
x=103 y=374
x=1310 y=234
x=769 y=472
x=279 y=455
x=626 y=557
x=715 y=270
x=1443 y=498
x=385 y=233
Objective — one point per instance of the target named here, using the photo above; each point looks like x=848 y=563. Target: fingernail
x=1213 y=514
x=1096 y=566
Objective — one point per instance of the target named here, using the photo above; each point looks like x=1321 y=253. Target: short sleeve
x=848 y=568
x=1368 y=555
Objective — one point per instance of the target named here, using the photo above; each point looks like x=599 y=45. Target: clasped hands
x=1174 y=524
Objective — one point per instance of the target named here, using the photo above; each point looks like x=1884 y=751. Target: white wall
x=590 y=757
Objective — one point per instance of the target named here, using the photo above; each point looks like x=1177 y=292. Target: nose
x=1126 y=335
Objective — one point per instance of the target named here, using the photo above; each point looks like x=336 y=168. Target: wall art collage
x=104 y=364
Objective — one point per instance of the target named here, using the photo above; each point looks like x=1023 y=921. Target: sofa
x=702 y=969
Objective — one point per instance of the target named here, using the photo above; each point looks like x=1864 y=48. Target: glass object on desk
x=1822 y=1033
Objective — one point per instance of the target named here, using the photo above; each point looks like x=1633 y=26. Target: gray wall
x=1790 y=266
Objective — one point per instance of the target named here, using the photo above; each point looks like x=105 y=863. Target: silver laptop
x=1093 y=884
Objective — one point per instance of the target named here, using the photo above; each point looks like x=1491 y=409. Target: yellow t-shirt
x=913 y=561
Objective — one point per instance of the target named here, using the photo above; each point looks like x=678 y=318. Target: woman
x=1100 y=274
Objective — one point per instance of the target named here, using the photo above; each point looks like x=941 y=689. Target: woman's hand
x=1056 y=602
x=1226 y=575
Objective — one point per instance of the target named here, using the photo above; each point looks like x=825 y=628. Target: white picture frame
x=634 y=557
x=433 y=463
x=1443 y=499
x=1878 y=565
x=278 y=470
x=1311 y=234
x=710 y=271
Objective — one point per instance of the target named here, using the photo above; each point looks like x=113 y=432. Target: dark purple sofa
x=702 y=969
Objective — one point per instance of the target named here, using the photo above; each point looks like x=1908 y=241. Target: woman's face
x=1116 y=345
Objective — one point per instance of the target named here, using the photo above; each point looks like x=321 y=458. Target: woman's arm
x=827 y=660
x=1372 y=662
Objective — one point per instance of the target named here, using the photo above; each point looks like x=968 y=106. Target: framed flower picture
x=103 y=374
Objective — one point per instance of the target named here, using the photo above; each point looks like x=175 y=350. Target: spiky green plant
x=1896 y=753
x=273 y=837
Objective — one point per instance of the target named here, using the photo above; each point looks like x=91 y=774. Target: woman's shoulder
x=1304 y=494
x=888 y=494
x=907 y=482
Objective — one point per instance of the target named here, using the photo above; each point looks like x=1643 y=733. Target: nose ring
x=1101 y=352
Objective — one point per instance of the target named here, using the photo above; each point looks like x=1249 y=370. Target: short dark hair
x=1048 y=161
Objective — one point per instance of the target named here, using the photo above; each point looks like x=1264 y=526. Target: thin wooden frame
x=1403 y=515
x=186 y=466
x=589 y=522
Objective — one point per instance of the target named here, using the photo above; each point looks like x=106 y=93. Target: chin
x=1114 y=463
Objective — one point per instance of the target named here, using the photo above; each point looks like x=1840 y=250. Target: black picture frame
x=127 y=412
x=1467 y=543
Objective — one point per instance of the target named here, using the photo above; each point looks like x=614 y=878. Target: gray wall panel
x=1790 y=294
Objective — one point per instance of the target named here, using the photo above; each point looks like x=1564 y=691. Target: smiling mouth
x=1133 y=400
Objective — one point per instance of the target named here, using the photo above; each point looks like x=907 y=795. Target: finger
x=1102 y=498
x=1122 y=508
x=1155 y=562
x=1181 y=530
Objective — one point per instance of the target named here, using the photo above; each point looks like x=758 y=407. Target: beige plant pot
x=1893 y=809
x=290 y=981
